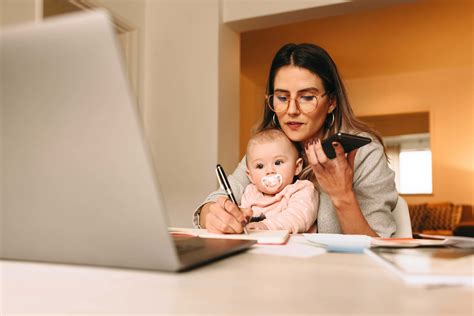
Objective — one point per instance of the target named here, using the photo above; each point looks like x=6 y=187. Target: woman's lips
x=294 y=125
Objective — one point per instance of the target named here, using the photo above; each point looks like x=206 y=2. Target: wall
x=192 y=99
x=17 y=11
x=408 y=58
x=228 y=97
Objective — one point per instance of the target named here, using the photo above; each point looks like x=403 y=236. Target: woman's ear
x=299 y=166
x=332 y=106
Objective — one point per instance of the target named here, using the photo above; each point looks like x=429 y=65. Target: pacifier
x=272 y=181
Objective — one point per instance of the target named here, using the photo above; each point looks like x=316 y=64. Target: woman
x=307 y=100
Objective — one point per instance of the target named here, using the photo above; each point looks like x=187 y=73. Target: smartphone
x=348 y=141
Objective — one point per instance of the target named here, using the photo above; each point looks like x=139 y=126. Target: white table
x=245 y=284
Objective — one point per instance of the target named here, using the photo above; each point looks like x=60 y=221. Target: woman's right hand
x=224 y=217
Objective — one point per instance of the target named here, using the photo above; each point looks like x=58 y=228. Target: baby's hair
x=267 y=135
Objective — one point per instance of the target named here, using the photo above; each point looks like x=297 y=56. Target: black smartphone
x=348 y=141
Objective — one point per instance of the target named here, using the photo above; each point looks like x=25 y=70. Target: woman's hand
x=224 y=217
x=333 y=175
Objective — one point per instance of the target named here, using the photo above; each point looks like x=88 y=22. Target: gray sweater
x=373 y=185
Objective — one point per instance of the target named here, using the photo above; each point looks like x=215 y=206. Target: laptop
x=78 y=184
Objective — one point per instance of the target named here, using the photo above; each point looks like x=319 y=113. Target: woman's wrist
x=351 y=219
x=344 y=201
x=203 y=214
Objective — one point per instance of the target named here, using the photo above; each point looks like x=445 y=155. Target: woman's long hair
x=316 y=60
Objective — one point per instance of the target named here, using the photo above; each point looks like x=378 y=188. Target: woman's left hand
x=333 y=175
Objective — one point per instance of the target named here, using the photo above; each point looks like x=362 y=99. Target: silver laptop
x=77 y=178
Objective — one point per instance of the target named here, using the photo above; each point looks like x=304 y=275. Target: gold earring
x=330 y=117
x=274 y=120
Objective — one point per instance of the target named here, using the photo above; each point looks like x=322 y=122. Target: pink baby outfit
x=294 y=208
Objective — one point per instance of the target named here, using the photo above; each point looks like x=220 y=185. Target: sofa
x=439 y=218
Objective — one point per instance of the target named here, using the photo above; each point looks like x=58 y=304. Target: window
x=407 y=140
x=410 y=158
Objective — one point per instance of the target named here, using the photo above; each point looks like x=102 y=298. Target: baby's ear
x=248 y=175
x=299 y=166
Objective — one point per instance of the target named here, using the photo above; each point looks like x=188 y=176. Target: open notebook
x=269 y=237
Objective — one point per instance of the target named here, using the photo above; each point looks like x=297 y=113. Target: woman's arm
x=349 y=214
x=203 y=214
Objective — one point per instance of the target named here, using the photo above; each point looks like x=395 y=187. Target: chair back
x=402 y=219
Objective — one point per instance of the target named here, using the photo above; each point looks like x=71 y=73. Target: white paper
x=427 y=266
x=339 y=242
x=261 y=236
x=296 y=247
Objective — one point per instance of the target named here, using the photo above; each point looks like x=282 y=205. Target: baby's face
x=272 y=165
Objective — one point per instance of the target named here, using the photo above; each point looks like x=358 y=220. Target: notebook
x=267 y=237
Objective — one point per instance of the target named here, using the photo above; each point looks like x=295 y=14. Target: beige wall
x=181 y=100
x=192 y=99
x=228 y=97
x=18 y=11
x=408 y=58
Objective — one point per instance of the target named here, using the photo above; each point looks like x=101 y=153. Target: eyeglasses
x=306 y=102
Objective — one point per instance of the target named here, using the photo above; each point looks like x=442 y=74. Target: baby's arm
x=300 y=213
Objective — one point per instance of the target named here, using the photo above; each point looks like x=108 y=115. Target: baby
x=272 y=165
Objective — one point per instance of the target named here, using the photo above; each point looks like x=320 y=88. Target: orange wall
x=405 y=58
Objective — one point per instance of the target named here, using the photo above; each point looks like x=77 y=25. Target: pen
x=226 y=185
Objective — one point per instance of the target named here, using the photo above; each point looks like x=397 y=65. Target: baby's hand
x=257 y=226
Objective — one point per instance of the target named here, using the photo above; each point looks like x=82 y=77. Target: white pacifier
x=272 y=181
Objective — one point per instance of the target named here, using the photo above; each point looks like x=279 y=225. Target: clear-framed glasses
x=306 y=101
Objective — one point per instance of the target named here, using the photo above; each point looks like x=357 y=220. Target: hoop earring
x=274 y=120
x=330 y=120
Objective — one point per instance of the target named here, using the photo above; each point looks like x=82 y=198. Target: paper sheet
x=428 y=266
x=340 y=243
x=261 y=236
x=296 y=247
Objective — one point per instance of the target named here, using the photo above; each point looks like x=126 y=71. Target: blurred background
x=198 y=69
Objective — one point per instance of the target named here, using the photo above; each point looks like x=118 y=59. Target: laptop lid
x=77 y=178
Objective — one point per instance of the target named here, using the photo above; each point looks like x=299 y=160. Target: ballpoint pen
x=226 y=185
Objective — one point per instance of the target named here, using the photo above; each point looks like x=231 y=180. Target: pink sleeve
x=301 y=211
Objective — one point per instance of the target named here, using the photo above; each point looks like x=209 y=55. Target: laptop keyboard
x=188 y=244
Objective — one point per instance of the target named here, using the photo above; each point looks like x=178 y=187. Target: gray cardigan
x=373 y=185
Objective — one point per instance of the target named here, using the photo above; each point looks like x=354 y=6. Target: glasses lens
x=307 y=102
x=278 y=103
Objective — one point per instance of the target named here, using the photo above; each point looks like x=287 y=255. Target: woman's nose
x=293 y=107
